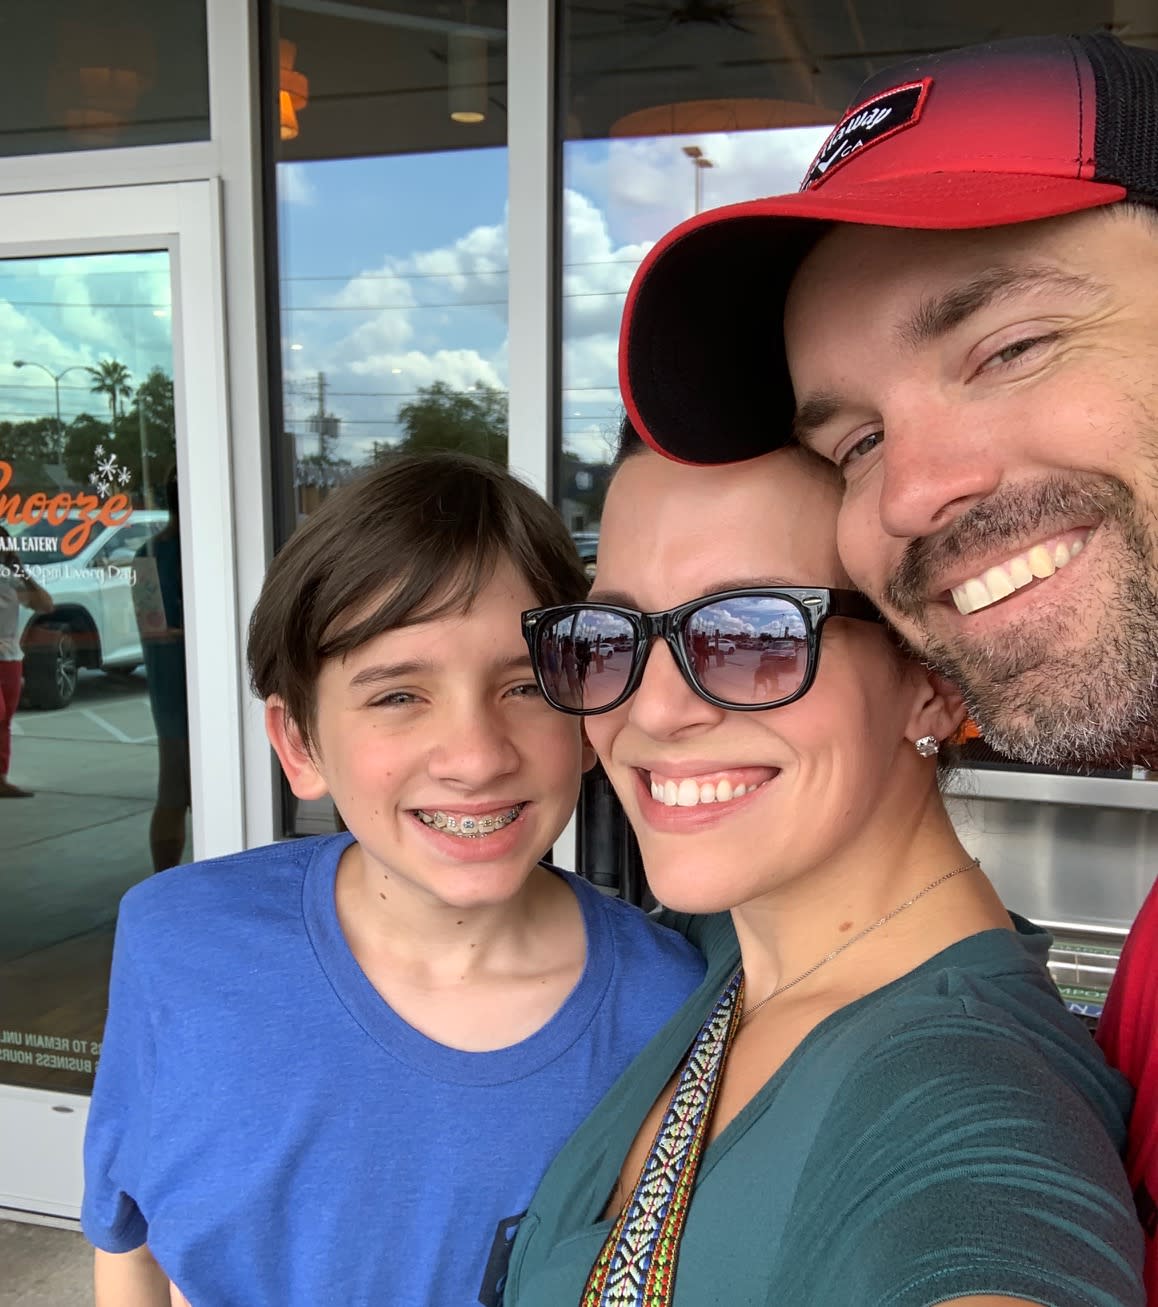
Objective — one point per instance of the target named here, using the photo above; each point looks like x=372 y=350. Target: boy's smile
x=442 y=758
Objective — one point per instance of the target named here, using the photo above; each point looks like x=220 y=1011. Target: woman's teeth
x=465 y=826
x=689 y=793
x=1000 y=582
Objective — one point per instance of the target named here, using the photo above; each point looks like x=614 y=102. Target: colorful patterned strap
x=637 y=1264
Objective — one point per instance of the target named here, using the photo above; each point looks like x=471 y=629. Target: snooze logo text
x=85 y=511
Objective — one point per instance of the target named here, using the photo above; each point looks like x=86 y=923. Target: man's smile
x=1037 y=563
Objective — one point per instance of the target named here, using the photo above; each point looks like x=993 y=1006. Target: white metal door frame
x=40 y=1160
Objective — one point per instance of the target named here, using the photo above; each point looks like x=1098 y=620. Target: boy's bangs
x=424 y=594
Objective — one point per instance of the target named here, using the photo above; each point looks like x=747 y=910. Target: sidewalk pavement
x=44 y=1267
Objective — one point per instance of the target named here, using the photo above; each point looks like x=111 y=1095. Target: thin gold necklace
x=848 y=943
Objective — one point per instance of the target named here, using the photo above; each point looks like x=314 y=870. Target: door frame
x=40 y=1163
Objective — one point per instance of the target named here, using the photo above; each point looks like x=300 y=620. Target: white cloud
x=440 y=314
x=651 y=182
x=458 y=368
x=295 y=186
x=638 y=190
x=70 y=312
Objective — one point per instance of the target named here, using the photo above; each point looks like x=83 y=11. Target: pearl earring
x=928 y=746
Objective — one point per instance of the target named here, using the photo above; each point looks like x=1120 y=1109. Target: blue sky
x=73 y=311
x=395 y=276
x=394 y=269
x=357 y=215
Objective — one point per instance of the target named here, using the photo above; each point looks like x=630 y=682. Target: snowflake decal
x=108 y=473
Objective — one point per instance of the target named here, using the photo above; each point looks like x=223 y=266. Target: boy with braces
x=335 y=1068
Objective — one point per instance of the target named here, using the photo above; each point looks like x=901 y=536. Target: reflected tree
x=82 y=436
x=111 y=379
x=29 y=447
x=467 y=421
x=143 y=438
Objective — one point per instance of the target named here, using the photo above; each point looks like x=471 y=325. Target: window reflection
x=673 y=108
x=393 y=281
x=669 y=108
x=79 y=76
x=93 y=727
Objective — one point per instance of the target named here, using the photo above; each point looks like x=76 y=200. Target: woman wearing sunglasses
x=876 y=1097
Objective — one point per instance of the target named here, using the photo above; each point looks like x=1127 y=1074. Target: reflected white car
x=92 y=623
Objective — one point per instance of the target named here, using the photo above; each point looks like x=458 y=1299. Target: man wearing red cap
x=968 y=286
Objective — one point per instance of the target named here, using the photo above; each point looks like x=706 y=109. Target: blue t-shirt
x=278 y=1135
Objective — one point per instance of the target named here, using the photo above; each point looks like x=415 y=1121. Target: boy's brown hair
x=417 y=537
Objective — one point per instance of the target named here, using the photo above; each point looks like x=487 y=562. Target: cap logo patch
x=868 y=124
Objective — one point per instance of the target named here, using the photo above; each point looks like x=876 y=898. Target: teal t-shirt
x=956 y=1132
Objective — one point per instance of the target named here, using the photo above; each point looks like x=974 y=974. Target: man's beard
x=1033 y=693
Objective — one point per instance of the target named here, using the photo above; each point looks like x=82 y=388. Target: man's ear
x=298 y=763
x=938 y=709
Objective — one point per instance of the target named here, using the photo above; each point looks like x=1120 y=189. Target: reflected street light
x=700 y=161
x=56 y=376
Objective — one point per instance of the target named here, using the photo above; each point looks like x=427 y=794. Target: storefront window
x=94 y=735
x=79 y=76
x=672 y=108
x=391 y=214
x=667 y=109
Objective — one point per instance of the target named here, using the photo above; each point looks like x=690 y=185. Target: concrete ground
x=43 y=1267
x=67 y=857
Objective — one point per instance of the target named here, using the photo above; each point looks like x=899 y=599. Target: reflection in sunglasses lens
x=584 y=658
x=748 y=650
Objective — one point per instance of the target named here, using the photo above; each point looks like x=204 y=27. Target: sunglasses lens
x=584 y=658
x=749 y=650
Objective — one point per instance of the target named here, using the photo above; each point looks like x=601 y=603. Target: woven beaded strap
x=637 y=1264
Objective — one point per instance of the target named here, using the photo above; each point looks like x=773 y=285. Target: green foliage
x=470 y=422
x=144 y=439
x=29 y=447
x=155 y=398
x=111 y=379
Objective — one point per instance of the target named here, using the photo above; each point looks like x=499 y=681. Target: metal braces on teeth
x=470 y=827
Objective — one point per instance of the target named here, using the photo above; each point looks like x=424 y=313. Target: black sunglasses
x=740 y=649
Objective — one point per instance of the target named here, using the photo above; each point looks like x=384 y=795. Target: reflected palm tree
x=111 y=379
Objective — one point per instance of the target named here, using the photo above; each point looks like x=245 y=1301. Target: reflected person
x=158 y=601
x=17 y=588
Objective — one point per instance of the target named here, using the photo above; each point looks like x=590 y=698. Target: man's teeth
x=1000 y=582
x=465 y=826
x=689 y=793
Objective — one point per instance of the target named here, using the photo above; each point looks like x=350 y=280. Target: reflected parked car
x=92 y=623
x=587 y=543
x=726 y=646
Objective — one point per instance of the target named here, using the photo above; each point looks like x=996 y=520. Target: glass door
x=116 y=585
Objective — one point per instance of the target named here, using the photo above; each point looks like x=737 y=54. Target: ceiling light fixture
x=293 y=90
x=102 y=70
x=467 y=77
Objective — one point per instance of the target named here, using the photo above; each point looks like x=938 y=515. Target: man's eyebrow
x=381 y=672
x=942 y=313
x=939 y=315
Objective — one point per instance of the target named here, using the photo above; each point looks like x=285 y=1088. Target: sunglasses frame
x=815 y=603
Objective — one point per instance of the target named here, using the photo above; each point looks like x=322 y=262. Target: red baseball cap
x=985 y=136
